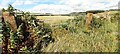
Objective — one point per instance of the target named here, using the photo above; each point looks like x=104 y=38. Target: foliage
x=115 y=17
x=32 y=35
x=102 y=38
x=95 y=11
x=3 y=10
x=73 y=24
x=29 y=33
x=14 y=41
x=36 y=30
x=10 y=8
x=6 y=30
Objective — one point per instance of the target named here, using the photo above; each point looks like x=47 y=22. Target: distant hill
x=77 y=13
x=95 y=11
x=114 y=10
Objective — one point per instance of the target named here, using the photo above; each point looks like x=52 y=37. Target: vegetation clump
x=71 y=36
x=31 y=34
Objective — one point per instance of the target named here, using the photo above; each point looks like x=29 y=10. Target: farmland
x=69 y=35
x=54 y=19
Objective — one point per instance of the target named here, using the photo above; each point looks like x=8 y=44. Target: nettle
x=73 y=25
x=97 y=23
x=31 y=35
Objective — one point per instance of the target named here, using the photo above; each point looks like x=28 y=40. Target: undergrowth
x=71 y=36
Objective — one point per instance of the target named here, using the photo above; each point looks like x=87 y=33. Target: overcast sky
x=59 y=6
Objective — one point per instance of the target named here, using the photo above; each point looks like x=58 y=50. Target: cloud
x=67 y=6
x=28 y=2
x=52 y=8
x=18 y=2
x=62 y=6
x=5 y=3
x=24 y=2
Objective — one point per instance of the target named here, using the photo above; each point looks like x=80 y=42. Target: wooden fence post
x=9 y=17
x=88 y=21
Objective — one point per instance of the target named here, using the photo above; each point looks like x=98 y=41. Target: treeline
x=95 y=11
x=73 y=13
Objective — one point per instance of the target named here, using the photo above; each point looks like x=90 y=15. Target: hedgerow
x=31 y=35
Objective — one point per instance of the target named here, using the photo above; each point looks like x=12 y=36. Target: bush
x=29 y=33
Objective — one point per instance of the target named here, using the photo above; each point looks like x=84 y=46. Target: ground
x=66 y=41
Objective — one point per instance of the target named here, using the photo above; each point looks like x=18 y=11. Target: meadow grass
x=72 y=38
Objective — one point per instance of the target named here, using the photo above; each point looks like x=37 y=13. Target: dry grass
x=68 y=42
x=54 y=19
x=99 y=40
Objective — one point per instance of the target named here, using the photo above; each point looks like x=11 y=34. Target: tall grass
x=71 y=36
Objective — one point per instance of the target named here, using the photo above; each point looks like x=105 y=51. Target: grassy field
x=54 y=19
x=71 y=35
x=74 y=39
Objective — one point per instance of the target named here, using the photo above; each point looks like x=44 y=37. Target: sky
x=60 y=6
